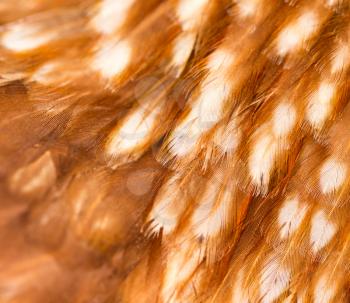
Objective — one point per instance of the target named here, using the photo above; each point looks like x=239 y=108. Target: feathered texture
x=174 y=151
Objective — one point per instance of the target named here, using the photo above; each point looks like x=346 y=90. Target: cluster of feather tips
x=175 y=151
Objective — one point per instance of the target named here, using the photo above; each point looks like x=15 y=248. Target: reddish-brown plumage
x=174 y=151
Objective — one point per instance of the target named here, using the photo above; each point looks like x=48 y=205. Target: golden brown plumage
x=174 y=151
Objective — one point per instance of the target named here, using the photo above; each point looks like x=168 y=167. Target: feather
x=174 y=151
